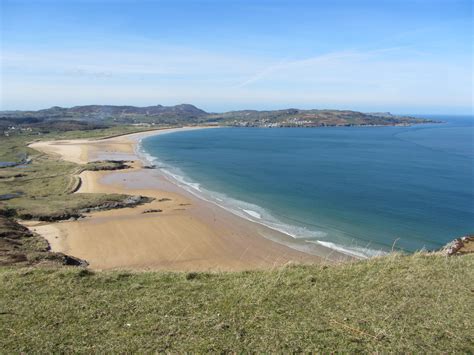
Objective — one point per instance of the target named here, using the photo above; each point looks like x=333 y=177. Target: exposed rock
x=130 y=201
x=152 y=211
x=53 y=218
x=459 y=246
x=19 y=246
x=72 y=261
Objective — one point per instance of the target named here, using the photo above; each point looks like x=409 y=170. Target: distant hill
x=183 y=110
x=189 y=114
x=313 y=118
x=125 y=114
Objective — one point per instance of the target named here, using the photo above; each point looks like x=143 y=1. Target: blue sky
x=399 y=56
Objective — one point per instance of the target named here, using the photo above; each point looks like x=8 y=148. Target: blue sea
x=363 y=190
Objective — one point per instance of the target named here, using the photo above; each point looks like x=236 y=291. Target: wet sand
x=187 y=234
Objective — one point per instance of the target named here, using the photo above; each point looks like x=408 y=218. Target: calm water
x=362 y=189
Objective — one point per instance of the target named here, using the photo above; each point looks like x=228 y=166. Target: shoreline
x=188 y=233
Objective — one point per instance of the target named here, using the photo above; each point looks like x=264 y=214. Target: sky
x=380 y=55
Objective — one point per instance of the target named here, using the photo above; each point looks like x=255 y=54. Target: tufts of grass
x=416 y=303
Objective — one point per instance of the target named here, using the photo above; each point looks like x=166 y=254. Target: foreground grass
x=396 y=303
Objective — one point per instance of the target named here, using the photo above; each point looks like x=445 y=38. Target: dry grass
x=418 y=303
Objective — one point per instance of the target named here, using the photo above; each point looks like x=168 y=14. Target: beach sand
x=188 y=234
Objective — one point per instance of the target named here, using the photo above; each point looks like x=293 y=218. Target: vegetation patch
x=106 y=165
x=20 y=247
x=409 y=304
x=43 y=189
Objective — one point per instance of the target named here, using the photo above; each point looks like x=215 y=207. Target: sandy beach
x=188 y=233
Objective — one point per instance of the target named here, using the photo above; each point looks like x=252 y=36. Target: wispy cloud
x=310 y=62
x=388 y=76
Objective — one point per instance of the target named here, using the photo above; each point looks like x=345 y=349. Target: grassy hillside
x=420 y=303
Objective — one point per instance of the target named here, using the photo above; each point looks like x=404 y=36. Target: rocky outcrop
x=19 y=246
x=130 y=201
x=71 y=260
x=460 y=246
x=154 y=210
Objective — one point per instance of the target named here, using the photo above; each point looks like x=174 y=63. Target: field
x=418 y=303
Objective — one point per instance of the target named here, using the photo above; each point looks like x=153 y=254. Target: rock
x=73 y=261
x=152 y=211
x=130 y=201
x=460 y=246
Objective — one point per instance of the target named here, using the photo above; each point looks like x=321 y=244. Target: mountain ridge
x=190 y=114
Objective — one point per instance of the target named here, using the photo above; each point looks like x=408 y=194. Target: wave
x=353 y=251
x=253 y=214
x=249 y=211
x=144 y=156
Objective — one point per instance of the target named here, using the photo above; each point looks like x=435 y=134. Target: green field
x=420 y=303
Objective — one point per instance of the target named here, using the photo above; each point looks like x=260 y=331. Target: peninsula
x=97 y=116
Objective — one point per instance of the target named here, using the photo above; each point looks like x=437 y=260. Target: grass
x=106 y=165
x=14 y=149
x=417 y=303
x=46 y=187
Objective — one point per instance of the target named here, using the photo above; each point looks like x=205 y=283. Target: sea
x=361 y=190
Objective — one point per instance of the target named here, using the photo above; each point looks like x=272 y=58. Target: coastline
x=188 y=234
